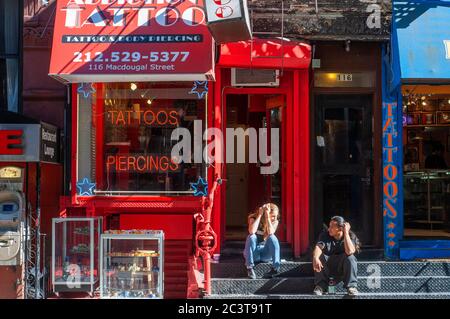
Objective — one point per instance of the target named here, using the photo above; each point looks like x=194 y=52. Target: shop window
x=9 y=54
x=426 y=163
x=125 y=136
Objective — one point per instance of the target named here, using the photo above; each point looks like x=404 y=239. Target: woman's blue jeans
x=266 y=251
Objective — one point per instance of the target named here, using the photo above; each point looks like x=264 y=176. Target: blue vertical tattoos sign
x=392 y=178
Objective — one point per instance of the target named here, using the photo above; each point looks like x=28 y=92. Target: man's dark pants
x=340 y=267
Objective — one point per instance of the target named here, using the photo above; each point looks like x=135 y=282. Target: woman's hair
x=340 y=221
x=263 y=222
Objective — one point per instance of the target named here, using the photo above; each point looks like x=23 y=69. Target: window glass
x=9 y=49
x=9 y=26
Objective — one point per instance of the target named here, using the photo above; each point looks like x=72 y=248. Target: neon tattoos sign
x=149 y=117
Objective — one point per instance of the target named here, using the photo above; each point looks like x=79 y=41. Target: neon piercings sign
x=116 y=13
x=391 y=176
x=142 y=163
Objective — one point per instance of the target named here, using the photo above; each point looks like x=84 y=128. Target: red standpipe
x=206 y=238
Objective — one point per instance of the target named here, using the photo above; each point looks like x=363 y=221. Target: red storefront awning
x=261 y=53
x=131 y=40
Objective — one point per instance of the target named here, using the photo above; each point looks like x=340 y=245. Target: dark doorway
x=344 y=162
x=247 y=187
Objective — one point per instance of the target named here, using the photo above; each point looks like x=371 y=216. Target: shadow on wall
x=406 y=12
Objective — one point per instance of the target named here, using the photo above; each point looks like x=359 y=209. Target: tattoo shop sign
x=131 y=40
x=228 y=20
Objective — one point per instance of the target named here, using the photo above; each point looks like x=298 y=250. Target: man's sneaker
x=251 y=273
x=271 y=273
x=318 y=291
x=352 y=291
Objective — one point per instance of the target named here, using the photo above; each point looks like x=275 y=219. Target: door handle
x=368 y=178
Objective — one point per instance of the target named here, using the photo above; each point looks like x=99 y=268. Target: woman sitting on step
x=262 y=245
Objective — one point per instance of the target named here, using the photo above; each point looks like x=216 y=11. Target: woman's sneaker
x=251 y=273
x=272 y=273
x=352 y=291
x=318 y=291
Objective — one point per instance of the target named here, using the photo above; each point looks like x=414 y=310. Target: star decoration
x=86 y=89
x=85 y=187
x=200 y=188
x=200 y=88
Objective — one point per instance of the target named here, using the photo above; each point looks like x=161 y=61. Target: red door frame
x=296 y=148
x=248 y=91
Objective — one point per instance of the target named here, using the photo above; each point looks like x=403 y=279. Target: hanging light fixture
x=133 y=86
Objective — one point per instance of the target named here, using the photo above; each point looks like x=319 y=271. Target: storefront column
x=297 y=142
x=74 y=154
x=289 y=180
x=218 y=221
x=300 y=143
x=301 y=81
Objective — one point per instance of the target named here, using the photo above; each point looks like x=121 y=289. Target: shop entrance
x=344 y=162
x=247 y=185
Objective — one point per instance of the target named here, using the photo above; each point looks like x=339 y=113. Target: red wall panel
x=174 y=226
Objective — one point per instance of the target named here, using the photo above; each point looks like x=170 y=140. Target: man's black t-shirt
x=331 y=246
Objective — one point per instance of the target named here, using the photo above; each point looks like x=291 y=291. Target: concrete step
x=236 y=255
x=365 y=268
x=380 y=285
x=239 y=244
x=233 y=250
x=337 y=296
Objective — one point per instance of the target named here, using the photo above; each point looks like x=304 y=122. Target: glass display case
x=75 y=254
x=427 y=199
x=132 y=264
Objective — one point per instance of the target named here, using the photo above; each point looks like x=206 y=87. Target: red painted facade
x=11 y=286
x=174 y=214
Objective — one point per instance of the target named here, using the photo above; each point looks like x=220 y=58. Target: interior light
x=133 y=86
x=424 y=103
x=149 y=101
x=347 y=46
x=423 y=98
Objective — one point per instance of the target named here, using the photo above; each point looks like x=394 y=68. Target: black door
x=344 y=164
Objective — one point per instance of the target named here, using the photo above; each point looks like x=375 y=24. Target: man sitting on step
x=262 y=244
x=333 y=256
